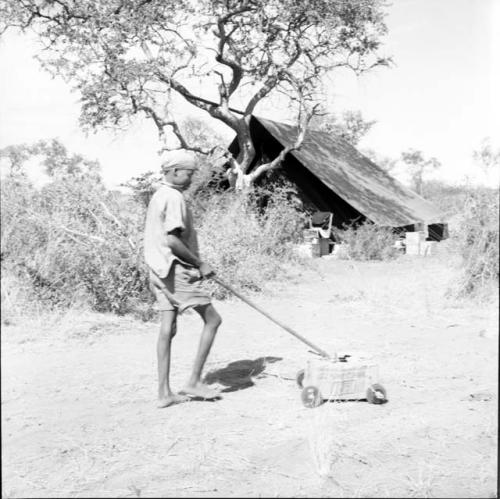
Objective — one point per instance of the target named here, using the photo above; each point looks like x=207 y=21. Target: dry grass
x=326 y=440
x=87 y=247
x=246 y=246
x=422 y=483
x=368 y=242
x=334 y=442
x=476 y=237
x=75 y=249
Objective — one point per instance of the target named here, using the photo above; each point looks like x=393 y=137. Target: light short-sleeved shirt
x=167 y=211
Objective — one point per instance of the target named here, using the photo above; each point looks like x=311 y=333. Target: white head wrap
x=179 y=158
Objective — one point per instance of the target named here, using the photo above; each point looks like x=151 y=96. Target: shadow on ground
x=238 y=375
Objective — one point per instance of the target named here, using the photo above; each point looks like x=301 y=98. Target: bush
x=450 y=199
x=478 y=239
x=74 y=242
x=245 y=242
x=368 y=242
x=66 y=241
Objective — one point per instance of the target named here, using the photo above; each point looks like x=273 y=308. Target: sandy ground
x=78 y=396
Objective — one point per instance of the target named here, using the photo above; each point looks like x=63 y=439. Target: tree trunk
x=237 y=173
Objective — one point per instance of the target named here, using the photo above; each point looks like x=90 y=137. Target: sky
x=442 y=96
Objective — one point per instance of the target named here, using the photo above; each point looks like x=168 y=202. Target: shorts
x=184 y=282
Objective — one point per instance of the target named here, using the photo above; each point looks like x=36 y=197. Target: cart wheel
x=376 y=394
x=300 y=378
x=311 y=397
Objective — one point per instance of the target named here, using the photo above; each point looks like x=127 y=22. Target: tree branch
x=117 y=222
x=82 y=234
x=222 y=59
x=214 y=110
x=183 y=142
x=304 y=119
x=181 y=89
x=268 y=85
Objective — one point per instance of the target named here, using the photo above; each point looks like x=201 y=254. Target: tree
x=59 y=162
x=15 y=157
x=387 y=163
x=486 y=156
x=351 y=125
x=130 y=57
x=54 y=157
x=64 y=238
x=418 y=167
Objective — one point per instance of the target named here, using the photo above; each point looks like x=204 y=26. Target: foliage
x=368 y=242
x=143 y=186
x=478 y=242
x=66 y=241
x=129 y=57
x=418 y=167
x=58 y=162
x=53 y=156
x=487 y=156
x=351 y=125
x=243 y=242
x=472 y=213
x=15 y=157
x=387 y=163
x=74 y=242
x=450 y=199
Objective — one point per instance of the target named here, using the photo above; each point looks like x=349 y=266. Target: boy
x=171 y=251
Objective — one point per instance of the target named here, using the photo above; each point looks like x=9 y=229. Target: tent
x=334 y=176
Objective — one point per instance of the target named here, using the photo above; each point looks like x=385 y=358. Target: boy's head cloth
x=179 y=158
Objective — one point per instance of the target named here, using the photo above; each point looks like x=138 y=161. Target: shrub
x=449 y=199
x=75 y=242
x=368 y=242
x=66 y=241
x=478 y=239
x=245 y=242
x=16 y=297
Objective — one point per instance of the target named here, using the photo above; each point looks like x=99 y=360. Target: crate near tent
x=318 y=245
x=317 y=236
x=416 y=244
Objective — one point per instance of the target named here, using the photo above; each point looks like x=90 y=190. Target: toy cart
x=324 y=379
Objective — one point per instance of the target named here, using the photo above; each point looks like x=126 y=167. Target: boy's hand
x=206 y=270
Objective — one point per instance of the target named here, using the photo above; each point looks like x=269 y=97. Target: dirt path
x=79 y=418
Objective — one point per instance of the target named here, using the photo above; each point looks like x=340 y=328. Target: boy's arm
x=180 y=250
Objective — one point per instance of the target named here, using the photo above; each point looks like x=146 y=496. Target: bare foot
x=172 y=399
x=202 y=391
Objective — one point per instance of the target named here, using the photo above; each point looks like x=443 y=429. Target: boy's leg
x=212 y=321
x=168 y=329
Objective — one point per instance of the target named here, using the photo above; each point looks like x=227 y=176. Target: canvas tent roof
x=347 y=174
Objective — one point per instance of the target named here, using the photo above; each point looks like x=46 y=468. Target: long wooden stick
x=276 y=321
